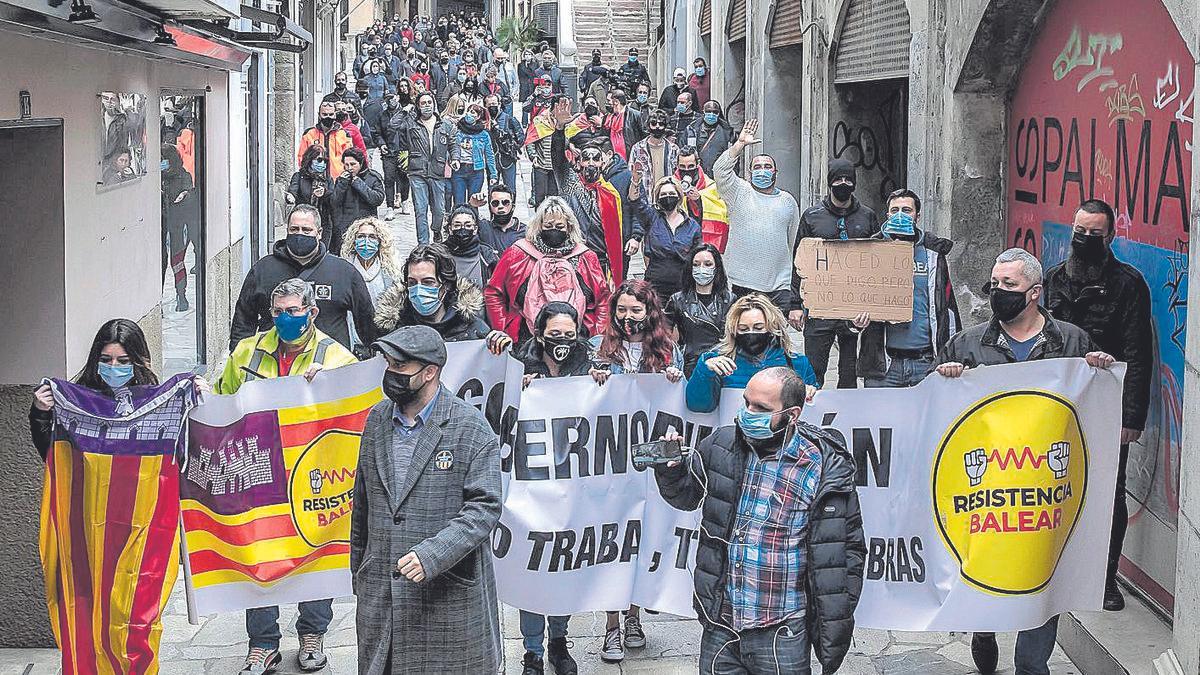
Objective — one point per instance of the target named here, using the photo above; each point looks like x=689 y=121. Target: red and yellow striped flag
x=110 y=523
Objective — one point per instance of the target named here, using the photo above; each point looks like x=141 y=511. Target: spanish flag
x=714 y=215
x=608 y=201
x=269 y=486
x=110 y=522
x=543 y=125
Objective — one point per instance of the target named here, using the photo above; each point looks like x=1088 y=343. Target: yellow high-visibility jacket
x=254 y=357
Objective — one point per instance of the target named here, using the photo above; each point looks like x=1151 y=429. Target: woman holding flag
x=110 y=507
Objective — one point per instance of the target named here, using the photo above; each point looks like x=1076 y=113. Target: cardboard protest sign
x=842 y=279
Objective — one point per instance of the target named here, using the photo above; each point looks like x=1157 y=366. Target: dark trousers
x=781 y=298
x=262 y=623
x=819 y=335
x=1034 y=648
x=1120 y=518
x=782 y=648
x=395 y=181
x=544 y=185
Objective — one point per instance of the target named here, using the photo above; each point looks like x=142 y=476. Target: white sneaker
x=390 y=214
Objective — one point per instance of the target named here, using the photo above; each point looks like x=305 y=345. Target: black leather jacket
x=700 y=326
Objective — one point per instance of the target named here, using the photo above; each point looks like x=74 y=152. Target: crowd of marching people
x=617 y=174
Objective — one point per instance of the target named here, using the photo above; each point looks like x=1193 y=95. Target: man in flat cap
x=426 y=497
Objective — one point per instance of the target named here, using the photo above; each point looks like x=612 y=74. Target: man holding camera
x=780 y=528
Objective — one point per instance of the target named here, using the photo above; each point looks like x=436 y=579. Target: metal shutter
x=737 y=20
x=546 y=17
x=706 y=18
x=786 y=29
x=874 y=42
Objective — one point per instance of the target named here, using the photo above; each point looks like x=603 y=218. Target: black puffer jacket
x=464 y=319
x=354 y=198
x=700 y=327
x=1115 y=312
x=835 y=552
x=826 y=222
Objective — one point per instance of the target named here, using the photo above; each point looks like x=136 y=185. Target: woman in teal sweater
x=755 y=339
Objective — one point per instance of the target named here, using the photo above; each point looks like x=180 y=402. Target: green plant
x=516 y=33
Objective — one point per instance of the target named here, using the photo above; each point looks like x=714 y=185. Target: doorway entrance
x=183 y=232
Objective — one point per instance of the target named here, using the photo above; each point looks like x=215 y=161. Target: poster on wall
x=1104 y=108
x=122 y=137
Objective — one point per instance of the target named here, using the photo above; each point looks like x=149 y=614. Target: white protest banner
x=986 y=500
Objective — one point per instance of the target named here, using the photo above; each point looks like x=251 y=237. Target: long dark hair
x=313 y=152
x=547 y=312
x=657 y=345
x=720 y=281
x=127 y=334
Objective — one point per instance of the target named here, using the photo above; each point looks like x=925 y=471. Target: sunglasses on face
x=501 y=202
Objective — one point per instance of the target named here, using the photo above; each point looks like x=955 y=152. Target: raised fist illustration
x=314 y=478
x=975 y=463
x=1057 y=458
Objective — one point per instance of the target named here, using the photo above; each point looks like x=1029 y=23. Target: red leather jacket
x=512 y=274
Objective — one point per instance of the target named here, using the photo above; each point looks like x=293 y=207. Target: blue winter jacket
x=482 y=154
x=704 y=387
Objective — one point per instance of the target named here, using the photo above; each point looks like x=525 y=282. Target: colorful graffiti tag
x=1103 y=109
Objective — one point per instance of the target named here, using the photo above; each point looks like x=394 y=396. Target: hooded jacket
x=944 y=319
x=464 y=319
x=835 y=550
x=339 y=290
x=826 y=222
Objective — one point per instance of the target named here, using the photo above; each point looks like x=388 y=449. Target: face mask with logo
x=631 y=327
x=703 y=275
x=366 y=247
x=559 y=348
x=1007 y=305
x=899 y=224
x=399 y=387
x=591 y=174
x=301 y=244
x=289 y=327
x=425 y=299
x=318 y=166
x=753 y=344
x=762 y=178
x=115 y=375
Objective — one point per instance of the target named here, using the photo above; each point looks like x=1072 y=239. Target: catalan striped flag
x=268 y=489
x=110 y=522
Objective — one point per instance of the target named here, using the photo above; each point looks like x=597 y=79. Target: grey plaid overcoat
x=449 y=503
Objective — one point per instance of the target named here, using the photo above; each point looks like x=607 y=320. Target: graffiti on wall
x=877 y=144
x=1103 y=110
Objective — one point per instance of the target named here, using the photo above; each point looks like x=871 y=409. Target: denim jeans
x=782 y=649
x=509 y=176
x=428 y=194
x=262 y=623
x=465 y=182
x=533 y=628
x=903 y=373
x=1034 y=648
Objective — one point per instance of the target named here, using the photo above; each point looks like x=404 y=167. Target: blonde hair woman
x=670 y=235
x=369 y=246
x=755 y=339
x=550 y=264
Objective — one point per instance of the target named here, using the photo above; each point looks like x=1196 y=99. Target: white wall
x=113 y=237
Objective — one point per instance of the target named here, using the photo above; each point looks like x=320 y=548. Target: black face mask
x=461 y=239
x=340 y=86
x=631 y=327
x=559 y=348
x=494 y=110
x=668 y=203
x=753 y=344
x=842 y=192
x=1007 y=305
x=591 y=111
x=502 y=219
x=398 y=387
x=301 y=245
x=1090 y=248
x=690 y=174
x=327 y=122
x=591 y=174
x=658 y=132
x=553 y=238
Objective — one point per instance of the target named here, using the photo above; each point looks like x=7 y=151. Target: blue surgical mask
x=289 y=327
x=899 y=224
x=704 y=275
x=470 y=118
x=756 y=425
x=710 y=118
x=115 y=375
x=462 y=77
x=366 y=247
x=642 y=98
x=165 y=165
x=762 y=178
x=633 y=59
x=318 y=165
x=680 y=107
x=425 y=299
x=700 y=70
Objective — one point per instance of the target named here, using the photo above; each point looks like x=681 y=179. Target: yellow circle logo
x=321 y=488
x=1008 y=486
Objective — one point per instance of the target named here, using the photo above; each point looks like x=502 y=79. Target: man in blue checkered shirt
x=780 y=527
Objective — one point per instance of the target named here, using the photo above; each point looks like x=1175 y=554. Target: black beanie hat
x=841 y=168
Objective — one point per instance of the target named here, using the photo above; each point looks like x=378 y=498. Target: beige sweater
x=762 y=230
